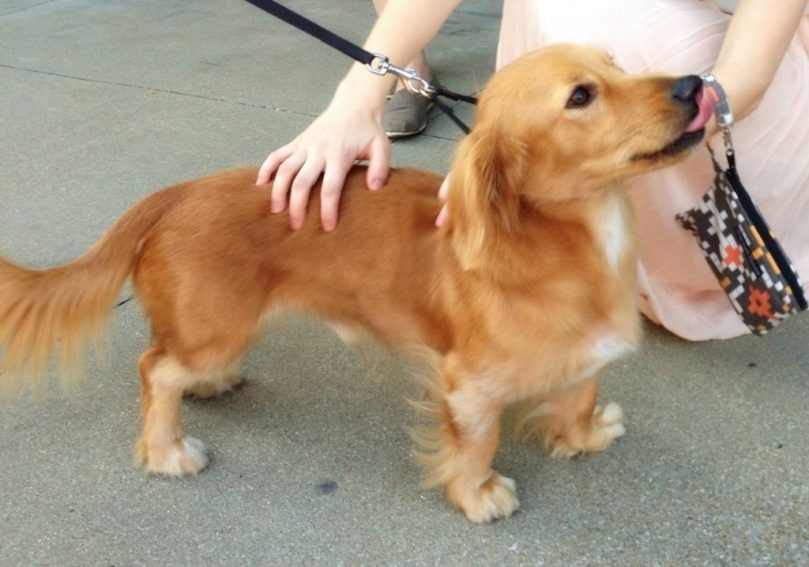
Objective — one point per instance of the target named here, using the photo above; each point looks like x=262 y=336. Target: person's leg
x=406 y=113
x=419 y=63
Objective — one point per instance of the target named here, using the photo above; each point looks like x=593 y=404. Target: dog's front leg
x=465 y=447
x=572 y=423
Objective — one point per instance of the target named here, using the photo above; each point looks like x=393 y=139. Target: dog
x=523 y=295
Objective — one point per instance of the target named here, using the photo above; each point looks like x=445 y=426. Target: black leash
x=443 y=107
x=374 y=62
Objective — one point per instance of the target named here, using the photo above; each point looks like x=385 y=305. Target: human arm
x=756 y=41
x=351 y=126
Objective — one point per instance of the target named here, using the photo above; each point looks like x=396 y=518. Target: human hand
x=348 y=130
x=443 y=193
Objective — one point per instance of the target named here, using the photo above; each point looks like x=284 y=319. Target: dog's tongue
x=706 y=101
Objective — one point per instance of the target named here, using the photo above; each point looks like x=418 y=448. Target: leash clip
x=381 y=65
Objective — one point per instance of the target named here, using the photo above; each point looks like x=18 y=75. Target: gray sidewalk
x=102 y=102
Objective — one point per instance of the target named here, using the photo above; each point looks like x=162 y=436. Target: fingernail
x=377 y=184
x=276 y=208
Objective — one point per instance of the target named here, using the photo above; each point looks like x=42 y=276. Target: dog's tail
x=62 y=309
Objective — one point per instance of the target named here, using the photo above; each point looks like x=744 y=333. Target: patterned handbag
x=740 y=248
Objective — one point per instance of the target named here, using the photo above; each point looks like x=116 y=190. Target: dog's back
x=385 y=246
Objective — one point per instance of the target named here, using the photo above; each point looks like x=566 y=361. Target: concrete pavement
x=103 y=102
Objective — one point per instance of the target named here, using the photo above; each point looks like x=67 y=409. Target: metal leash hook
x=381 y=65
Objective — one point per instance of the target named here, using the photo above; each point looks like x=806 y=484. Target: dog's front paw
x=185 y=457
x=606 y=426
x=496 y=498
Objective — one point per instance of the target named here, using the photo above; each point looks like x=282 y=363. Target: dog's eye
x=581 y=96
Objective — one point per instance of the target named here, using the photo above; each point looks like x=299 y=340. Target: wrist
x=744 y=93
x=363 y=90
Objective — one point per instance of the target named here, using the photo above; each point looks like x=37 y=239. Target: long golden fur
x=525 y=294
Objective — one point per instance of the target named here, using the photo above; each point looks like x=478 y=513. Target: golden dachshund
x=524 y=295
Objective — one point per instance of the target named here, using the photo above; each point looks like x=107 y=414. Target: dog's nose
x=686 y=88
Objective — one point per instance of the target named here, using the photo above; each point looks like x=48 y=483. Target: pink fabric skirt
x=678 y=290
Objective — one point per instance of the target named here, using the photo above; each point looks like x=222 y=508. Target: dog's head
x=562 y=124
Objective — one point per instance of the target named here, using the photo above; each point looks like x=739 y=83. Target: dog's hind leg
x=463 y=448
x=571 y=423
x=164 y=448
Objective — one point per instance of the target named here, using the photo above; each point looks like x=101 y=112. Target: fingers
x=300 y=189
x=330 y=190
x=295 y=178
x=283 y=181
x=378 y=162
x=443 y=193
x=442 y=216
x=272 y=162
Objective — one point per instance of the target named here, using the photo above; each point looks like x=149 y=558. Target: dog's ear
x=484 y=201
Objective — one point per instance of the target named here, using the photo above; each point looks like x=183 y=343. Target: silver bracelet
x=724 y=114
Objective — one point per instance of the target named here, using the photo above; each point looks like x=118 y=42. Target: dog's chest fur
x=616 y=234
x=613 y=229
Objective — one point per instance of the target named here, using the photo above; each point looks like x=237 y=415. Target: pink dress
x=678 y=290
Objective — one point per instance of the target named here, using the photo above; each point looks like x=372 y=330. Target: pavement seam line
x=180 y=93
x=155 y=89
x=26 y=8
